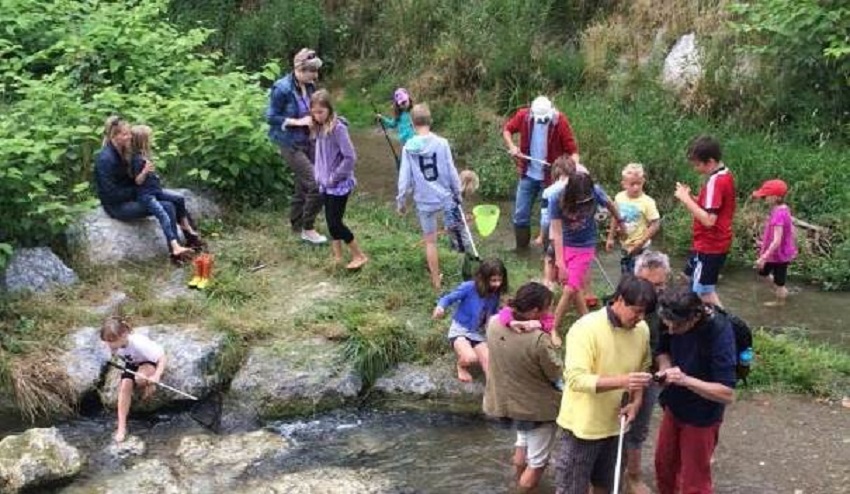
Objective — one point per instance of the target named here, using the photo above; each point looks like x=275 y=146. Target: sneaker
x=313 y=237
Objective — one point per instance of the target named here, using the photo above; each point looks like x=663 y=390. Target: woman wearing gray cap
x=289 y=121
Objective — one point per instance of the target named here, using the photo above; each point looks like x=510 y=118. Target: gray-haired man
x=653 y=267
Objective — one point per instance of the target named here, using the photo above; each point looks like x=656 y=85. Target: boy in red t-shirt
x=712 y=211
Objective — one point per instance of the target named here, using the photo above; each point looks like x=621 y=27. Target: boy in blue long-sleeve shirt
x=428 y=170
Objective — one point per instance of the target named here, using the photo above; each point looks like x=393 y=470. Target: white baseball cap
x=541 y=108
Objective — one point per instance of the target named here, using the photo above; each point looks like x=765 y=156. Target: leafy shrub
x=66 y=66
x=805 y=50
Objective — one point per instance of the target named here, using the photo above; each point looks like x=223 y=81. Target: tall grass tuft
x=41 y=387
x=376 y=342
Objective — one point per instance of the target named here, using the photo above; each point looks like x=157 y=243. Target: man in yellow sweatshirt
x=607 y=355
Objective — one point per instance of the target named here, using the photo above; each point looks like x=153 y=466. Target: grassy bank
x=381 y=314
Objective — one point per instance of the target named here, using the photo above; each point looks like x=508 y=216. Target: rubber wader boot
x=523 y=237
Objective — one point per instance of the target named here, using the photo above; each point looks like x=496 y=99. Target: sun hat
x=775 y=188
x=401 y=96
x=307 y=59
x=542 y=109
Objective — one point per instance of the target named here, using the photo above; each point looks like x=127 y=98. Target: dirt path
x=780 y=444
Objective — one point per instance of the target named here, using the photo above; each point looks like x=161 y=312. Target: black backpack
x=743 y=341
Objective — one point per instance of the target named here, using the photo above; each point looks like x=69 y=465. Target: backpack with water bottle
x=743 y=343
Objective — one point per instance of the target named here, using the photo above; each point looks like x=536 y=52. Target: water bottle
x=746 y=357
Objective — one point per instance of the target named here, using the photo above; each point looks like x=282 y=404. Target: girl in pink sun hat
x=402 y=103
x=778 y=245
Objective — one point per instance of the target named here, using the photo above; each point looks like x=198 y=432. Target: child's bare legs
x=781 y=295
x=177 y=249
x=433 y=259
x=538 y=240
x=125 y=398
x=483 y=355
x=186 y=226
x=466 y=356
x=530 y=478
x=336 y=250
x=563 y=306
x=358 y=258
x=519 y=461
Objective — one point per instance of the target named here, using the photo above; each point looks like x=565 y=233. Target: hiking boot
x=313 y=237
x=523 y=237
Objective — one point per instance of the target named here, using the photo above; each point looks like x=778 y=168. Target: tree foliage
x=68 y=64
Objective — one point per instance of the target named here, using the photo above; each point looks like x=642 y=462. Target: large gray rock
x=193 y=365
x=99 y=239
x=84 y=360
x=290 y=379
x=430 y=386
x=36 y=458
x=326 y=480
x=36 y=270
x=683 y=66
x=145 y=477
x=231 y=457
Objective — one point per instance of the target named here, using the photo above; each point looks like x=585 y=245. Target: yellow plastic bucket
x=486 y=218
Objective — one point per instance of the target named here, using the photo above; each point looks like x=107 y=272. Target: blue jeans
x=526 y=193
x=165 y=212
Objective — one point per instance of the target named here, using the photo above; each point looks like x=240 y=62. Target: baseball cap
x=775 y=187
x=401 y=96
x=541 y=108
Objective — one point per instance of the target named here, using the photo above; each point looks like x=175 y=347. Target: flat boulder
x=435 y=385
x=101 y=240
x=36 y=270
x=35 y=459
x=287 y=379
x=193 y=354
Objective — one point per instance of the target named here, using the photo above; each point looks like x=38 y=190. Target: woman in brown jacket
x=523 y=368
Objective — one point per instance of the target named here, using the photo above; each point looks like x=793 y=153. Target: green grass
x=380 y=315
x=789 y=363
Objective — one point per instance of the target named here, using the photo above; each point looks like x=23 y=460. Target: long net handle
x=162 y=385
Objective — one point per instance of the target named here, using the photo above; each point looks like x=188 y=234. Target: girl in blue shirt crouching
x=478 y=300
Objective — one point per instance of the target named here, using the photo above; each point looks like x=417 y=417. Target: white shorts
x=538 y=443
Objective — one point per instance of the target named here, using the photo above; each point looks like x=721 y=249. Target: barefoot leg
x=465 y=357
x=125 y=397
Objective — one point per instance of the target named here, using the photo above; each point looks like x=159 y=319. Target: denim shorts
x=428 y=221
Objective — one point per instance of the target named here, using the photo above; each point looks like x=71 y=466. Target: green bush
x=805 y=50
x=67 y=66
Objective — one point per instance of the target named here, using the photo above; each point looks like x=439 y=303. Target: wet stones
x=437 y=383
x=37 y=458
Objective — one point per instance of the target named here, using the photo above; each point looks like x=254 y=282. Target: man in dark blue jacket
x=288 y=116
x=696 y=362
